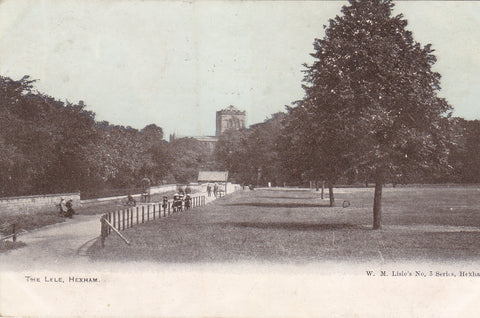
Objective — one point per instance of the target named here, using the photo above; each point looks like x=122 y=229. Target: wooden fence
x=123 y=219
x=9 y=228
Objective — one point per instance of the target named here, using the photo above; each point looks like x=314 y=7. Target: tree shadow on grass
x=294 y=226
x=279 y=205
x=290 y=198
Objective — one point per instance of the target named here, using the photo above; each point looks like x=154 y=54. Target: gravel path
x=59 y=245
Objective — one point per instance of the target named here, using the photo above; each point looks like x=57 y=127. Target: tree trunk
x=377 y=201
x=323 y=189
x=259 y=175
x=330 y=195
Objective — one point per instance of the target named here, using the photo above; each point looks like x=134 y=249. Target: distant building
x=228 y=118
x=207 y=142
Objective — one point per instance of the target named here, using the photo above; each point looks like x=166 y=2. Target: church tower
x=229 y=118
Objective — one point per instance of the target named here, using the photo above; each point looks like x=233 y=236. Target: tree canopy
x=371 y=99
x=252 y=155
x=51 y=146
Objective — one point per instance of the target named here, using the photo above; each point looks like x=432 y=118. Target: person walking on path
x=209 y=190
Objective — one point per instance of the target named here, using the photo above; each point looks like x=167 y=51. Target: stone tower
x=229 y=118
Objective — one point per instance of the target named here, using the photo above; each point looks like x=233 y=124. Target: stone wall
x=233 y=187
x=153 y=190
x=46 y=202
x=162 y=189
x=35 y=203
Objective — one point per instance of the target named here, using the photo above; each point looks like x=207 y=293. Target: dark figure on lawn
x=209 y=190
x=188 y=201
x=215 y=190
x=70 y=212
x=165 y=203
x=131 y=201
x=177 y=202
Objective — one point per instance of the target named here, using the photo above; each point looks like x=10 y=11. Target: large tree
x=372 y=94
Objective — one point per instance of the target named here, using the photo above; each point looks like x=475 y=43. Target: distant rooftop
x=232 y=110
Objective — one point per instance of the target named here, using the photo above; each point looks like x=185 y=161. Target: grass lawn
x=9 y=245
x=295 y=226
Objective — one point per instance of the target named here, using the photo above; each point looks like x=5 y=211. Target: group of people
x=179 y=201
x=66 y=208
x=215 y=190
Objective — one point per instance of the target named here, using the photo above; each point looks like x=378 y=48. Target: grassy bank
x=434 y=224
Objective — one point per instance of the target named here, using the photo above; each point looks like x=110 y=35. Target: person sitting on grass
x=62 y=207
x=70 y=212
x=130 y=200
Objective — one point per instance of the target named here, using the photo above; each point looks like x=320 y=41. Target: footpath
x=57 y=246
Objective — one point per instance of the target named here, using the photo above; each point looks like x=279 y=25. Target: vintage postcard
x=239 y=158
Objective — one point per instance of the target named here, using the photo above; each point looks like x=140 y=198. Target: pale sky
x=175 y=63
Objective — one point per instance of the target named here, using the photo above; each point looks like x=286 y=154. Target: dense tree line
x=282 y=151
x=50 y=146
x=371 y=111
x=464 y=157
x=252 y=155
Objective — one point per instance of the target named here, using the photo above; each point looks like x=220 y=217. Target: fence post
x=123 y=219
x=109 y=220
x=153 y=211
x=14 y=232
x=168 y=208
x=143 y=214
x=148 y=212
x=131 y=217
x=103 y=231
x=114 y=218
